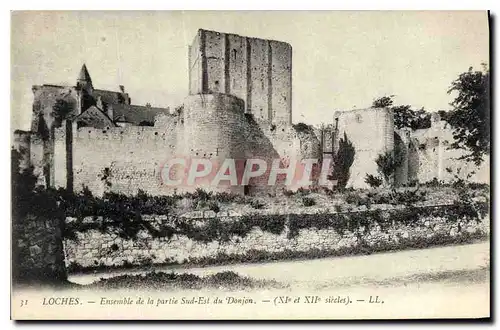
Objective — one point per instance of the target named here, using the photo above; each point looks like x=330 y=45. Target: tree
x=383 y=102
x=61 y=111
x=444 y=115
x=387 y=163
x=405 y=116
x=342 y=162
x=470 y=117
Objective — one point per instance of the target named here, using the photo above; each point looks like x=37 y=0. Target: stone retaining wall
x=96 y=249
x=37 y=250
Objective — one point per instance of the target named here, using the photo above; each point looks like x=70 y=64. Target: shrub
x=387 y=164
x=342 y=162
x=303 y=191
x=433 y=183
x=380 y=198
x=308 y=201
x=288 y=193
x=359 y=200
x=214 y=206
x=225 y=197
x=169 y=281
x=202 y=194
x=408 y=197
x=256 y=204
x=353 y=198
x=373 y=181
x=302 y=128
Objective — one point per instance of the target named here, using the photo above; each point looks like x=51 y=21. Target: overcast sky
x=341 y=60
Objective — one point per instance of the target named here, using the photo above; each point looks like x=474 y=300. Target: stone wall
x=92 y=249
x=371 y=131
x=255 y=70
x=194 y=64
x=131 y=156
x=21 y=142
x=214 y=124
x=430 y=157
x=38 y=158
x=44 y=98
x=37 y=250
x=425 y=153
x=211 y=126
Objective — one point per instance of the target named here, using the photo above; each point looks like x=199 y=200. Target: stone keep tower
x=255 y=70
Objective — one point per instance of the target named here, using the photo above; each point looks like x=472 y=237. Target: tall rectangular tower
x=256 y=70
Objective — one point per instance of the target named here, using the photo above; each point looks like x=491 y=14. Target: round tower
x=214 y=131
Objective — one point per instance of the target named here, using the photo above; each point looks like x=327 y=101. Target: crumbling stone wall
x=257 y=71
x=92 y=249
x=195 y=66
x=431 y=157
x=21 y=142
x=425 y=154
x=37 y=250
x=211 y=126
x=372 y=133
x=119 y=159
x=44 y=98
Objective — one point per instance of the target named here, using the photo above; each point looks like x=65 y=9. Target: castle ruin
x=239 y=107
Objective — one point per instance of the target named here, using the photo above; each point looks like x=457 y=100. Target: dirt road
x=455 y=263
x=445 y=282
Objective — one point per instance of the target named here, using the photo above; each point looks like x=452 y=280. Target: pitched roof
x=109 y=97
x=94 y=117
x=136 y=114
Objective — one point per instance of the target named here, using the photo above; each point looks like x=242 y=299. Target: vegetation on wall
x=470 y=117
x=302 y=128
x=62 y=110
x=404 y=115
x=383 y=102
x=124 y=215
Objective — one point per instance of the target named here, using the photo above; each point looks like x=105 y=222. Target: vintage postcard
x=322 y=165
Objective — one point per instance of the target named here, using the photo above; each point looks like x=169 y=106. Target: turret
x=84 y=81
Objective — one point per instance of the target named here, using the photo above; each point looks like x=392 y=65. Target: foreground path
x=444 y=282
x=459 y=263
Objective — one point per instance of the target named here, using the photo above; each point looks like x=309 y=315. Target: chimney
x=99 y=103
x=122 y=88
x=110 y=112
